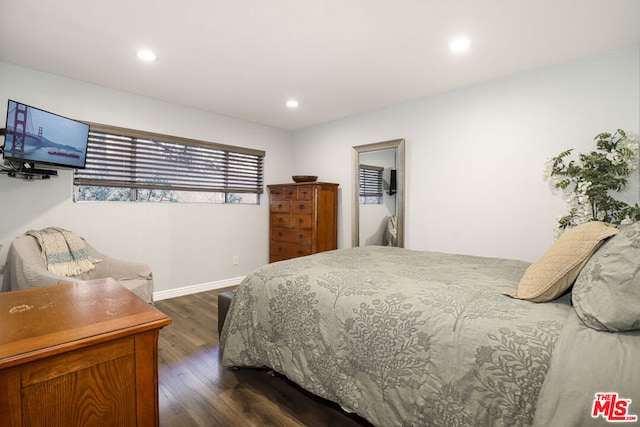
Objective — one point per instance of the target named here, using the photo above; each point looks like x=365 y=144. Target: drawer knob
x=280 y=205
x=299 y=252
x=300 y=236
x=301 y=207
x=300 y=221
x=279 y=233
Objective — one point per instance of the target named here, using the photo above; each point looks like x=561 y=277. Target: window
x=129 y=165
x=370 y=184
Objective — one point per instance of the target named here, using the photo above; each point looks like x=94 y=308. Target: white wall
x=474 y=156
x=185 y=244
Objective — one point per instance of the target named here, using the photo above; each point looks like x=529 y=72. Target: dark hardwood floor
x=195 y=390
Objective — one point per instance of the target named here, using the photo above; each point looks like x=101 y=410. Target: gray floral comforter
x=401 y=337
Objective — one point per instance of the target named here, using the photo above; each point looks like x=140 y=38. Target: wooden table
x=79 y=354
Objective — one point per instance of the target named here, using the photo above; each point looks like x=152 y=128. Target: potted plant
x=592 y=183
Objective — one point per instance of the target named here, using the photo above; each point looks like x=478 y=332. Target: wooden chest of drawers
x=303 y=219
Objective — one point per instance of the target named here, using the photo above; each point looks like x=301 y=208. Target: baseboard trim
x=194 y=289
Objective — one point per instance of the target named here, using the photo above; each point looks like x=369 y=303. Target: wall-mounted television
x=33 y=136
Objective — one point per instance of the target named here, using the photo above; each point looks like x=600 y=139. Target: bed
x=411 y=338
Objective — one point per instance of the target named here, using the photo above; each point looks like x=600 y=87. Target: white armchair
x=25 y=268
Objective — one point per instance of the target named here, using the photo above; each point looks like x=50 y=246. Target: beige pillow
x=554 y=273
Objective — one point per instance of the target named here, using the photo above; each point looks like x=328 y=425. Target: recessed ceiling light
x=292 y=103
x=459 y=44
x=146 y=55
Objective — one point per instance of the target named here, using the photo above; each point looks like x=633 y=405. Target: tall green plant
x=592 y=183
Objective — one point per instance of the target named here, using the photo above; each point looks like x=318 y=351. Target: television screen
x=38 y=136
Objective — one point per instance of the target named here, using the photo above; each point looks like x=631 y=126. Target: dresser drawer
x=280 y=220
x=288 y=250
x=291 y=235
x=301 y=207
x=277 y=193
x=280 y=206
x=301 y=221
x=290 y=193
x=305 y=193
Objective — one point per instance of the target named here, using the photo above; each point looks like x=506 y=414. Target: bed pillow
x=606 y=294
x=550 y=276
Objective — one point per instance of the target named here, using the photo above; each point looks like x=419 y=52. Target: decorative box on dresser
x=79 y=354
x=303 y=219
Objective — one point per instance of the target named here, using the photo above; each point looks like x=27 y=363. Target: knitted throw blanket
x=64 y=252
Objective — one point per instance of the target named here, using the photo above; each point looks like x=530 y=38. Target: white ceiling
x=245 y=58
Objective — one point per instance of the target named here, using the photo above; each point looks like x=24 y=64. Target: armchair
x=25 y=268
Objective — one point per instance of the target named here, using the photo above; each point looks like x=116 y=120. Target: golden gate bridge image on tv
x=29 y=142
